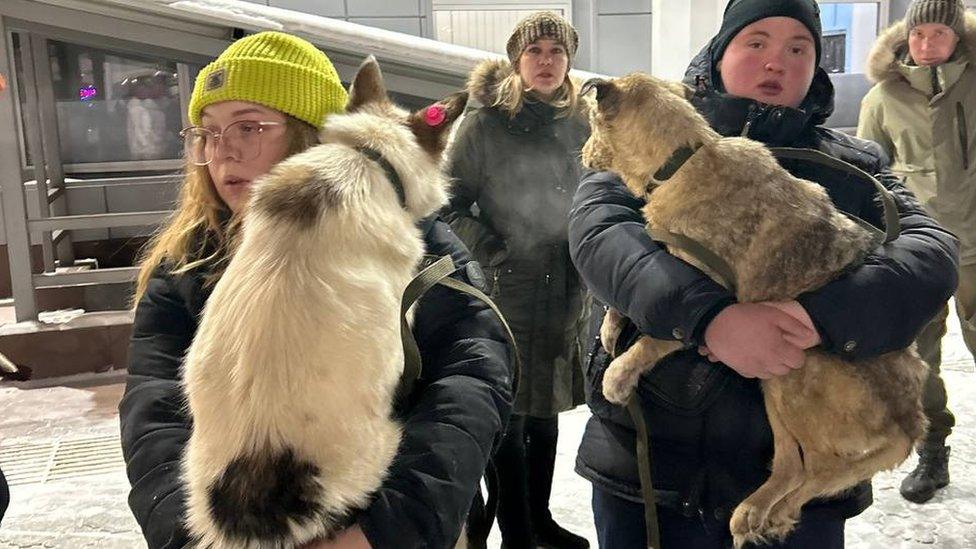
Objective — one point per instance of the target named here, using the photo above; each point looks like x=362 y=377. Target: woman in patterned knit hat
x=262 y=100
x=517 y=159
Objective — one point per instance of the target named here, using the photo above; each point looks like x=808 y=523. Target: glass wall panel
x=112 y=107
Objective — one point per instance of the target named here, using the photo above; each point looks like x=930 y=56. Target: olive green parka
x=925 y=118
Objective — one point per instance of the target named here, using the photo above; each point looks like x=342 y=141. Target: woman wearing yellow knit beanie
x=263 y=99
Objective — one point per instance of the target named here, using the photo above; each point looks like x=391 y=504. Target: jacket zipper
x=963 y=134
x=751 y=116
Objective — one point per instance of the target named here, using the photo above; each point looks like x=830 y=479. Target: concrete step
x=83 y=343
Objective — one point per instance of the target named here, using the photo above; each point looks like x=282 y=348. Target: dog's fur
x=835 y=423
x=291 y=377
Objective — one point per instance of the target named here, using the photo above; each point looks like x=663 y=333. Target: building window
x=834 y=58
x=113 y=108
x=109 y=106
x=849 y=30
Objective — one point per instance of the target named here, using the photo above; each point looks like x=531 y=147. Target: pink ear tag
x=434 y=115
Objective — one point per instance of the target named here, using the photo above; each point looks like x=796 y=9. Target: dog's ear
x=604 y=88
x=367 y=87
x=431 y=125
x=607 y=94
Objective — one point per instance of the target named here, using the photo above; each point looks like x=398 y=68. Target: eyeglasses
x=242 y=138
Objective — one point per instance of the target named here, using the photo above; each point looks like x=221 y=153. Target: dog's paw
x=779 y=523
x=619 y=383
x=750 y=524
x=609 y=332
x=744 y=524
x=609 y=341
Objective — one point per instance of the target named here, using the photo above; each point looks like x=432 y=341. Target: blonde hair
x=510 y=95
x=200 y=232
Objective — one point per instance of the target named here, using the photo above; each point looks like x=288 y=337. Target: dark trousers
x=620 y=525
x=525 y=461
x=935 y=400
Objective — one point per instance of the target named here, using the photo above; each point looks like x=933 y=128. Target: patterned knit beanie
x=947 y=12
x=276 y=70
x=544 y=24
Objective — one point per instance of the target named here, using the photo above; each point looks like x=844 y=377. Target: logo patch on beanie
x=215 y=80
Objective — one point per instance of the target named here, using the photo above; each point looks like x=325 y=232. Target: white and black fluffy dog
x=291 y=377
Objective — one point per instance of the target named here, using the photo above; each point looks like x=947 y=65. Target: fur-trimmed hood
x=485 y=76
x=892 y=45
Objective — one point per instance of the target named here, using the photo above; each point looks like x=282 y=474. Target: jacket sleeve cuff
x=698 y=334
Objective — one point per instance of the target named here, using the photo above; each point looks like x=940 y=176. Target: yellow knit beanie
x=276 y=70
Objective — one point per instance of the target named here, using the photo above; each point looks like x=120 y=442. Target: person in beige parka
x=922 y=110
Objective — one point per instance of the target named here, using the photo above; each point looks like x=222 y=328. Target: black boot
x=513 y=505
x=931 y=474
x=550 y=535
x=541 y=435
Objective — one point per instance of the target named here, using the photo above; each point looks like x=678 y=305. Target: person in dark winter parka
x=710 y=438
x=516 y=165
x=456 y=412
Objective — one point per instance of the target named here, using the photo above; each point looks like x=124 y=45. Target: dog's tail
x=261 y=497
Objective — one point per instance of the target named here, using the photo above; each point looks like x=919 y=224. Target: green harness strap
x=707 y=257
x=891 y=221
x=438 y=271
x=644 y=468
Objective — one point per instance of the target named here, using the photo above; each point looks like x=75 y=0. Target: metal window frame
x=37 y=31
x=146 y=32
x=37 y=22
x=14 y=206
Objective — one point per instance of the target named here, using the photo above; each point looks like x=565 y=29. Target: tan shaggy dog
x=291 y=377
x=835 y=423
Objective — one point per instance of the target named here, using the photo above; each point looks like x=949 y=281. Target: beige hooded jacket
x=925 y=118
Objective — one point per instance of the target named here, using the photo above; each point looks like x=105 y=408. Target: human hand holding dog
x=793 y=308
x=758 y=339
x=350 y=538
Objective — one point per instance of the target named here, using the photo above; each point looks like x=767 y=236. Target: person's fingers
x=801 y=341
x=791 y=355
x=790 y=325
x=703 y=350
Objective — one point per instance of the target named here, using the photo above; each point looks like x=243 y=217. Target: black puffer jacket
x=457 y=414
x=521 y=173
x=711 y=440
